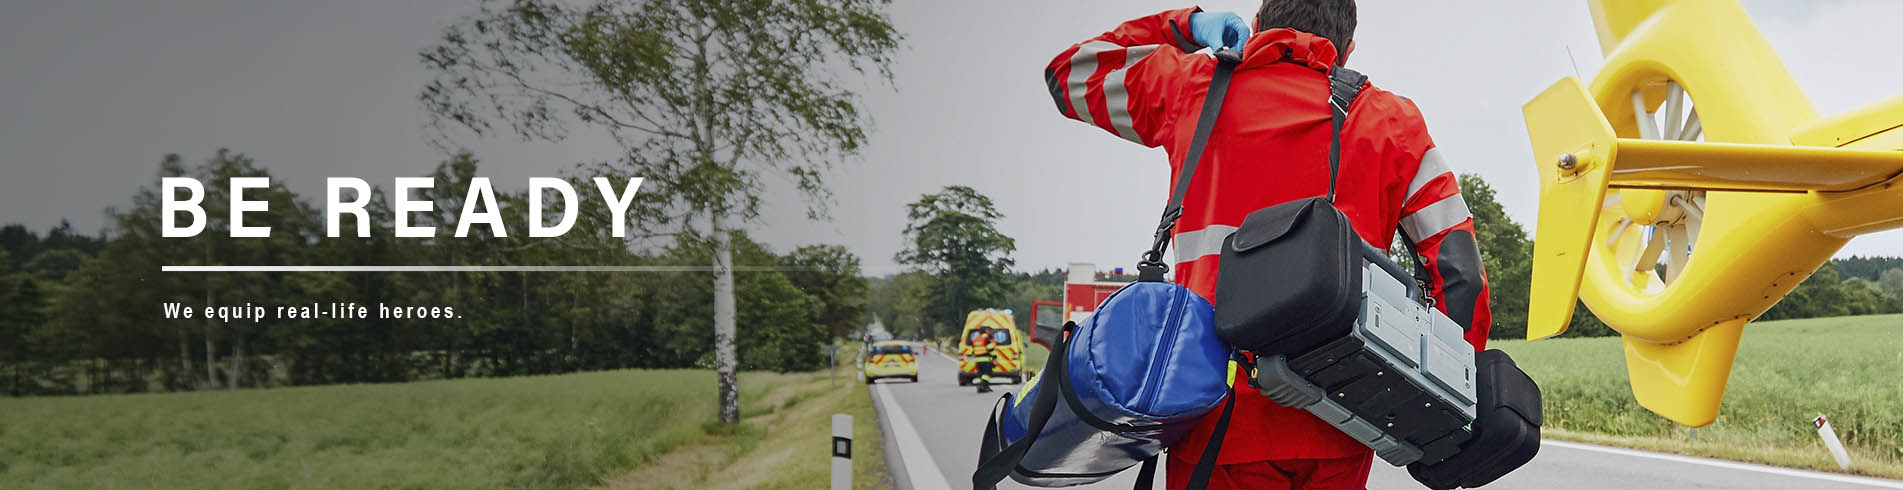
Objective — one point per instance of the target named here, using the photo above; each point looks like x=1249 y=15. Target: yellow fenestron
x=1691 y=186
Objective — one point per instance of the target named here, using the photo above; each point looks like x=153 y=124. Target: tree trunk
x=726 y=363
x=236 y=373
x=211 y=349
x=184 y=359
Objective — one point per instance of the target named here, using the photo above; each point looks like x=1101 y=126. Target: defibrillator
x=1401 y=380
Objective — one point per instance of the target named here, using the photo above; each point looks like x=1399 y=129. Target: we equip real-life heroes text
x=479 y=206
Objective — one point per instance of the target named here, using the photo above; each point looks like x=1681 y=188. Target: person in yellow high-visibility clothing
x=981 y=355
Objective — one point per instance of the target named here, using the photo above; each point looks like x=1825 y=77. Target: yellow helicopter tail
x=1575 y=147
x=1684 y=381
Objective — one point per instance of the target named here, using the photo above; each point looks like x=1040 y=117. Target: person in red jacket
x=1145 y=81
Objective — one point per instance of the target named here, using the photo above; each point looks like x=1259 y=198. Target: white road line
x=919 y=465
x=1730 y=465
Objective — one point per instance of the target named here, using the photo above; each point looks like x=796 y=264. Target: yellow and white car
x=891 y=359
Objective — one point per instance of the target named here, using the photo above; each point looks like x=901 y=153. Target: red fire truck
x=1084 y=288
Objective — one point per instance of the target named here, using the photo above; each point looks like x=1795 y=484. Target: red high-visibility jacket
x=1269 y=146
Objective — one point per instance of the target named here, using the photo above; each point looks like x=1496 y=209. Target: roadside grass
x=1034 y=357
x=783 y=443
x=536 y=432
x=1787 y=372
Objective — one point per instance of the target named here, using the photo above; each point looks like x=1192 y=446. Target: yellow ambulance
x=1007 y=346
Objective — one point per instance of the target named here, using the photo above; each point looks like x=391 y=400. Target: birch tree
x=707 y=98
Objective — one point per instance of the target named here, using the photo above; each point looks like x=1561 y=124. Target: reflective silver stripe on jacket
x=1192 y=245
x=1116 y=97
x=1436 y=218
x=1432 y=165
x=1083 y=64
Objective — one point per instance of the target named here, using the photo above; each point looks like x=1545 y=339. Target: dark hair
x=1330 y=19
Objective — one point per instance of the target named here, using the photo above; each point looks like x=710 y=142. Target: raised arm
x=1123 y=81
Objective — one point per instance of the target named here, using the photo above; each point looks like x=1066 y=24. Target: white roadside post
x=1830 y=441
x=842 y=452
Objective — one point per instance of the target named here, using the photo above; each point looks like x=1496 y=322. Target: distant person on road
x=981 y=344
x=1270 y=145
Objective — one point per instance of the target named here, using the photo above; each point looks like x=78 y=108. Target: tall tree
x=953 y=236
x=1506 y=253
x=1892 y=283
x=706 y=97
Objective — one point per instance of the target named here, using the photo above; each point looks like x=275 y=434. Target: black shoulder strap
x=1343 y=86
x=1152 y=267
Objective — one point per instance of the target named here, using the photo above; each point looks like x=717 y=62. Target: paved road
x=933 y=429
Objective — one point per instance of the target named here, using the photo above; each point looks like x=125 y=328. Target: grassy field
x=567 y=431
x=1787 y=373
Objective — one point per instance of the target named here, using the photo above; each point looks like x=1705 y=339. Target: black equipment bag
x=1506 y=429
x=1295 y=284
x=1259 y=308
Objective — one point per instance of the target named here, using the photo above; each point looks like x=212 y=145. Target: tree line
x=953 y=243
x=81 y=314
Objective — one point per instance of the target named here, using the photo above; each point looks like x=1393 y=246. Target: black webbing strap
x=1152 y=267
x=1343 y=86
x=994 y=467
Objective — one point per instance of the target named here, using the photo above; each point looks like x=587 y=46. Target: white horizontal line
x=1732 y=465
x=466 y=268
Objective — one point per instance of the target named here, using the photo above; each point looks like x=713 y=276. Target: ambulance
x=891 y=359
x=1007 y=349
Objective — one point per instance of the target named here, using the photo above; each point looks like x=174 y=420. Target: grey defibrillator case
x=1401 y=381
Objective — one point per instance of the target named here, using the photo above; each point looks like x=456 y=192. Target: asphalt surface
x=932 y=430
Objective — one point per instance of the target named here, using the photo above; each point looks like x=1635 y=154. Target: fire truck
x=1084 y=288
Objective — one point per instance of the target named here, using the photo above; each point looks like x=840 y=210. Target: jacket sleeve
x=1123 y=81
x=1436 y=219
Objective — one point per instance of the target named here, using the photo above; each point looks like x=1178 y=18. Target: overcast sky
x=93 y=94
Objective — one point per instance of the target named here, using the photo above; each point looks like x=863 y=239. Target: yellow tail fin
x=1684 y=381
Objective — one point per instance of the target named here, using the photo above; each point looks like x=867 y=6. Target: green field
x=1787 y=372
x=566 y=431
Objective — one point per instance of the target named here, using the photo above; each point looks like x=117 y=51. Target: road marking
x=919 y=465
x=1731 y=465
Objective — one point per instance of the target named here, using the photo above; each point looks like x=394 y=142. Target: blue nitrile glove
x=1218 y=30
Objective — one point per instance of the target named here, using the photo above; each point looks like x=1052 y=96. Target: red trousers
x=1312 y=474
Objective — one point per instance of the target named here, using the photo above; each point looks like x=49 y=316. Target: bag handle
x=1344 y=85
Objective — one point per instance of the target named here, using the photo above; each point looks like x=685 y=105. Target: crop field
x=1788 y=372
x=562 y=431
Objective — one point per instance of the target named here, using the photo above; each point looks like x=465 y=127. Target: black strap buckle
x=1151 y=270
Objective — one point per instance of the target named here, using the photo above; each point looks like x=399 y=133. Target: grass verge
x=1787 y=372
x=553 y=432
x=783 y=443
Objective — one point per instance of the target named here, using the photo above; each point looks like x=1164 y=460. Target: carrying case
x=1506 y=429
